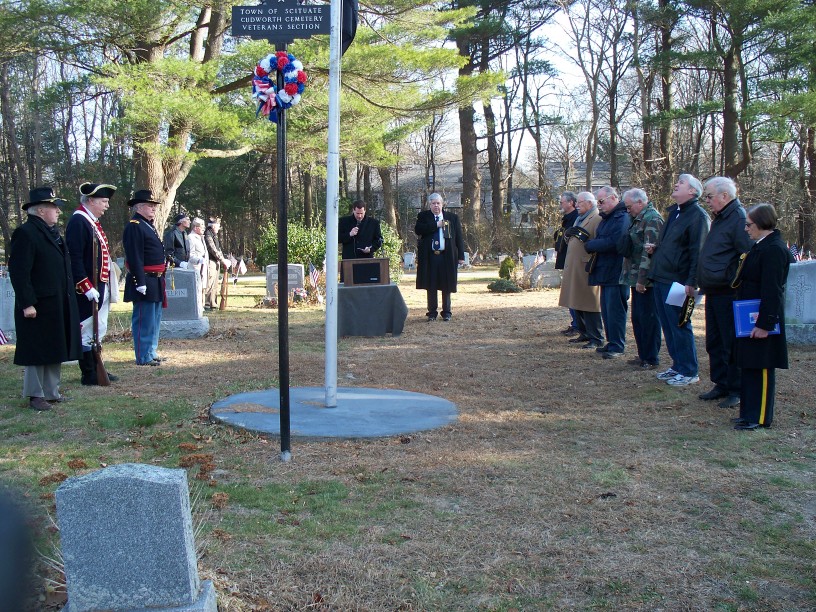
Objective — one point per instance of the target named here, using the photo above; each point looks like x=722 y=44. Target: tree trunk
x=666 y=105
x=471 y=187
x=19 y=176
x=494 y=163
x=367 y=184
x=805 y=221
x=389 y=209
x=307 y=198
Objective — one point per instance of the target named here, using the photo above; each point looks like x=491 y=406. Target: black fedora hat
x=95 y=190
x=43 y=195
x=143 y=196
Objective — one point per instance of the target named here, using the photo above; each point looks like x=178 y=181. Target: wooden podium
x=369 y=271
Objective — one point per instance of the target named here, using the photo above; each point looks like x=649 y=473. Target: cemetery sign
x=281 y=20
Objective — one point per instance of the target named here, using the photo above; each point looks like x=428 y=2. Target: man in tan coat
x=575 y=290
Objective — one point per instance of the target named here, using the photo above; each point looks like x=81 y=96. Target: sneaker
x=683 y=381
x=667 y=374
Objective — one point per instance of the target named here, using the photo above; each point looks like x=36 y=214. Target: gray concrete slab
x=360 y=412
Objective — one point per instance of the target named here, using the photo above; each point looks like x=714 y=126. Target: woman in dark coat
x=45 y=310
x=762 y=276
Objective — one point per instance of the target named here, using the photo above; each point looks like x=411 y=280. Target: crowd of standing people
x=609 y=246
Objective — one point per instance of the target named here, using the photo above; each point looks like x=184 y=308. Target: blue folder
x=746 y=313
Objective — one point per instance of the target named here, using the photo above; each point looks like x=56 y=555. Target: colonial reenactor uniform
x=144 y=282
x=45 y=310
x=84 y=234
x=439 y=250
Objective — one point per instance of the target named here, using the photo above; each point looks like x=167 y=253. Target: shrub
x=504 y=285
x=506 y=268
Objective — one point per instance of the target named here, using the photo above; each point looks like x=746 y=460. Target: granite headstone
x=800 y=303
x=295 y=278
x=127 y=541
x=7 y=307
x=184 y=315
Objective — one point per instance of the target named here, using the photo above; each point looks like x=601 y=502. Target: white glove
x=194 y=261
x=182 y=265
x=227 y=264
x=142 y=289
x=92 y=295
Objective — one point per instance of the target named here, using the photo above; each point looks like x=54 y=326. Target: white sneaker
x=682 y=381
x=666 y=375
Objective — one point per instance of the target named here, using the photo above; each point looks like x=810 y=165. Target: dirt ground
x=568 y=482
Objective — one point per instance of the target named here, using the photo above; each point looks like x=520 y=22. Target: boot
x=88 y=367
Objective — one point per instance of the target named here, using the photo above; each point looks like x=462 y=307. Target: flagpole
x=333 y=203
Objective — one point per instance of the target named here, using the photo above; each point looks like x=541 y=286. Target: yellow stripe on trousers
x=763 y=404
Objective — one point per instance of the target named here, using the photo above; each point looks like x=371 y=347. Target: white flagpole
x=333 y=203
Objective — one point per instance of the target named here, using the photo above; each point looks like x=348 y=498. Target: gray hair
x=695 y=184
x=83 y=199
x=34 y=209
x=198 y=222
x=636 y=194
x=723 y=184
x=435 y=196
x=609 y=191
x=568 y=195
x=587 y=195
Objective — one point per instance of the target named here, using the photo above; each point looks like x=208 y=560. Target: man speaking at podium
x=359 y=234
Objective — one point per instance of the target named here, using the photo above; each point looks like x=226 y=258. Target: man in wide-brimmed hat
x=144 y=283
x=84 y=234
x=45 y=311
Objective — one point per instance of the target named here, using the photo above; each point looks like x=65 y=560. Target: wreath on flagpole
x=270 y=99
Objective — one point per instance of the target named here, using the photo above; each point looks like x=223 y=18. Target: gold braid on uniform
x=737 y=280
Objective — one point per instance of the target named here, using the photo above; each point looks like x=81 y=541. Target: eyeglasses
x=602 y=200
x=749 y=224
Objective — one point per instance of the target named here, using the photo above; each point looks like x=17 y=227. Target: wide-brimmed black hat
x=179 y=217
x=42 y=195
x=94 y=190
x=143 y=196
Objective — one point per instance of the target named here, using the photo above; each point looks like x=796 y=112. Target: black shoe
x=612 y=355
x=578 y=339
x=645 y=365
x=112 y=377
x=446 y=317
x=591 y=345
x=747 y=426
x=637 y=362
x=602 y=349
x=57 y=400
x=732 y=401
x=738 y=421
x=39 y=404
x=715 y=393
x=570 y=331
x=431 y=319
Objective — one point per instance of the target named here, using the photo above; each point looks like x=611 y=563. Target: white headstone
x=550 y=254
x=528 y=261
x=295 y=277
x=800 y=303
x=7 y=307
x=408 y=260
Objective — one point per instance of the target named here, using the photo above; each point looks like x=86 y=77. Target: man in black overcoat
x=359 y=234
x=566 y=204
x=439 y=252
x=45 y=311
x=176 y=242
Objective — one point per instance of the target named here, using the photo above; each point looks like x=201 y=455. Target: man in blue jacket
x=674 y=260
x=605 y=270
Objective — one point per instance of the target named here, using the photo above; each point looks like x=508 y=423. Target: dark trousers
x=438 y=279
x=646 y=326
x=719 y=341
x=757 y=395
x=614 y=304
x=589 y=325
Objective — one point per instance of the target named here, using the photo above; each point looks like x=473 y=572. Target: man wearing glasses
x=674 y=259
x=726 y=241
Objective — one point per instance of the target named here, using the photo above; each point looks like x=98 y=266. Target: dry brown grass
x=568 y=482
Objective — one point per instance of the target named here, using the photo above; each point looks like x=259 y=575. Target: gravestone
x=184 y=315
x=550 y=254
x=127 y=542
x=800 y=303
x=545 y=275
x=528 y=262
x=296 y=276
x=7 y=307
x=467 y=260
x=408 y=260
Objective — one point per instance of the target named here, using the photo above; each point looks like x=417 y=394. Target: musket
x=224 y=289
x=96 y=346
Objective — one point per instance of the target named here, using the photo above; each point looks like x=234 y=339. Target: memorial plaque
x=296 y=276
x=7 y=307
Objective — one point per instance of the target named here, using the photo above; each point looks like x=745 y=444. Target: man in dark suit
x=144 y=284
x=566 y=204
x=359 y=234
x=83 y=234
x=176 y=243
x=45 y=311
x=439 y=251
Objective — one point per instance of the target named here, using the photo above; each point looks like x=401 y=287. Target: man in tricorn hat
x=144 y=283
x=84 y=234
x=45 y=311
x=176 y=242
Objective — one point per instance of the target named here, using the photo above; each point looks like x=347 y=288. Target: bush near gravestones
x=504 y=285
x=308 y=244
x=506 y=268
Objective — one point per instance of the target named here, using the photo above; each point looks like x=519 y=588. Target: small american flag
x=3 y=339
x=794 y=250
x=314 y=274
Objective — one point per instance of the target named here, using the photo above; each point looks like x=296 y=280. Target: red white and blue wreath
x=263 y=83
